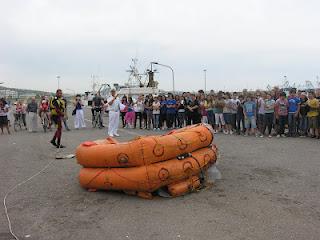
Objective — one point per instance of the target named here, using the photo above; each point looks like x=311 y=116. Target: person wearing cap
x=113 y=103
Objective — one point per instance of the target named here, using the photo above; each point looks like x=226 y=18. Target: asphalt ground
x=269 y=190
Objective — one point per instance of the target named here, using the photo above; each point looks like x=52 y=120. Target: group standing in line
x=260 y=113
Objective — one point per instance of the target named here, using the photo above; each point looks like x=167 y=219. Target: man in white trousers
x=114 y=113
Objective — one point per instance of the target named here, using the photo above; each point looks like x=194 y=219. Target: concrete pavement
x=270 y=190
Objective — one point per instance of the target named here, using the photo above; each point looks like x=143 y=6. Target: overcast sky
x=242 y=44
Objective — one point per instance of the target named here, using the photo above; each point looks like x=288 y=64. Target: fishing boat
x=137 y=84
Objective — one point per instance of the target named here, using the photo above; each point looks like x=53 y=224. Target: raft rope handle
x=201 y=170
x=146 y=167
x=97 y=175
x=14 y=188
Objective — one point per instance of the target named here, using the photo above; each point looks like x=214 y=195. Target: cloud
x=240 y=43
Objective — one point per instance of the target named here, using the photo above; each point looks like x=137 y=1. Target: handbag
x=74 y=112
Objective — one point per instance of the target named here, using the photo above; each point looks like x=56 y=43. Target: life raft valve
x=183 y=156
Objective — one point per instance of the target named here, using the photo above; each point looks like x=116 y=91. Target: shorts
x=227 y=118
x=250 y=121
x=3 y=121
x=56 y=119
x=313 y=122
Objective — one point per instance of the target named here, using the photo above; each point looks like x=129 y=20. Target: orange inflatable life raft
x=144 y=150
x=180 y=175
x=175 y=162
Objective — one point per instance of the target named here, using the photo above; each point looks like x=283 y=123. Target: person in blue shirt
x=293 y=113
x=250 y=115
x=171 y=110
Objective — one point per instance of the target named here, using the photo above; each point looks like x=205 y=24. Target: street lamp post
x=205 y=80
x=167 y=66
x=58 y=78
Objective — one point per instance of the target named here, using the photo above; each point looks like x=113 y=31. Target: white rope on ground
x=14 y=188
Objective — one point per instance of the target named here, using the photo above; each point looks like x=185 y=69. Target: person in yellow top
x=312 y=114
x=57 y=107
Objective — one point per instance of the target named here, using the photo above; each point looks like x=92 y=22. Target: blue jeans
x=292 y=122
x=156 y=120
x=211 y=119
x=181 y=118
x=268 y=122
x=304 y=125
x=282 y=123
x=170 y=119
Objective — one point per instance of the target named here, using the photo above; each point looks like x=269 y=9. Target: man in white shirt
x=114 y=113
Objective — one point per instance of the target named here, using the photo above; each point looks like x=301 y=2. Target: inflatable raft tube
x=183 y=187
x=144 y=150
x=150 y=177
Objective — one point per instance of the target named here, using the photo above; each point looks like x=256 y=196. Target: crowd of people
x=260 y=113
x=34 y=110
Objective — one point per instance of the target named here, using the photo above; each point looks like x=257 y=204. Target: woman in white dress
x=79 y=115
